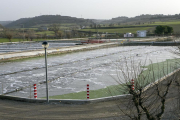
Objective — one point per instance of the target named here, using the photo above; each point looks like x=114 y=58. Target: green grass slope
x=153 y=72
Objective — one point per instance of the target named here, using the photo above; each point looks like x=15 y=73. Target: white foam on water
x=11 y=79
x=7 y=76
x=113 y=74
x=5 y=90
x=38 y=75
x=12 y=84
x=55 y=86
x=58 y=87
x=16 y=81
x=101 y=66
x=68 y=88
x=23 y=92
x=56 y=81
x=89 y=80
x=98 y=83
x=53 y=71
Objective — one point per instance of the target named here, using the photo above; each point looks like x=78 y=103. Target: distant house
x=128 y=35
x=43 y=28
x=83 y=27
x=141 y=33
x=1 y=29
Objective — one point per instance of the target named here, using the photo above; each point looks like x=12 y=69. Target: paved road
x=14 y=110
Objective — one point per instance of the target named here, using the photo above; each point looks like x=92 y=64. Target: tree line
x=30 y=34
x=163 y=30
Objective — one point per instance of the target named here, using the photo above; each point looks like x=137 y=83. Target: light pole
x=45 y=45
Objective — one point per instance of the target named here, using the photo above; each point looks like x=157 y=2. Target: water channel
x=71 y=72
x=11 y=47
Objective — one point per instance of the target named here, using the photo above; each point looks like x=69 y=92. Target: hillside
x=144 y=18
x=47 y=20
x=3 y=23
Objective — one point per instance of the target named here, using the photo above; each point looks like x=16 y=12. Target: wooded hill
x=5 y=22
x=142 y=18
x=47 y=20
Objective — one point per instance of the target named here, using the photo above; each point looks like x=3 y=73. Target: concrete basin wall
x=40 y=52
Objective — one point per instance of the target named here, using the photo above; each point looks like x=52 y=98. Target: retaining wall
x=152 y=43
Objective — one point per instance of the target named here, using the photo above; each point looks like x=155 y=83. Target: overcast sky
x=90 y=9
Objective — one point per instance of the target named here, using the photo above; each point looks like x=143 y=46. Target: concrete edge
x=78 y=101
x=160 y=80
x=63 y=101
x=53 y=51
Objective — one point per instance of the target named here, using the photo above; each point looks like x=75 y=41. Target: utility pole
x=23 y=32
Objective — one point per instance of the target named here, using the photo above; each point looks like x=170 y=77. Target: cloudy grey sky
x=91 y=9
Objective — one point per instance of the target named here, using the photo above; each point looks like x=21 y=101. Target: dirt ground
x=109 y=110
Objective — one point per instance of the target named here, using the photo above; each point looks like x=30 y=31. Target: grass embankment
x=152 y=73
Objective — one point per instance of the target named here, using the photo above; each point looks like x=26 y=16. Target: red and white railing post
x=35 y=91
x=87 y=91
x=132 y=82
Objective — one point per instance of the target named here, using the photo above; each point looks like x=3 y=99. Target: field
x=127 y=28
x=119 y=30
x=45 y=32
x=174 y=24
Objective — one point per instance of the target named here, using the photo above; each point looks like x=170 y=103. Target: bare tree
x=100 y=34
x=55 y=28
x=31 y=34
x=80 y=34
x=74 y=33
x=45 y=36
x=20 y=35
x=147 y=94
x=89 y=33
x=68 y=34
x=99 y=26
x=91 y=25
x=27 y=36
x=9 y=34
x=60 y=34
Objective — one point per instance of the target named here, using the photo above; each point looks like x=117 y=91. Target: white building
x=141 y=33
x=44 y=28
x=128 y=35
